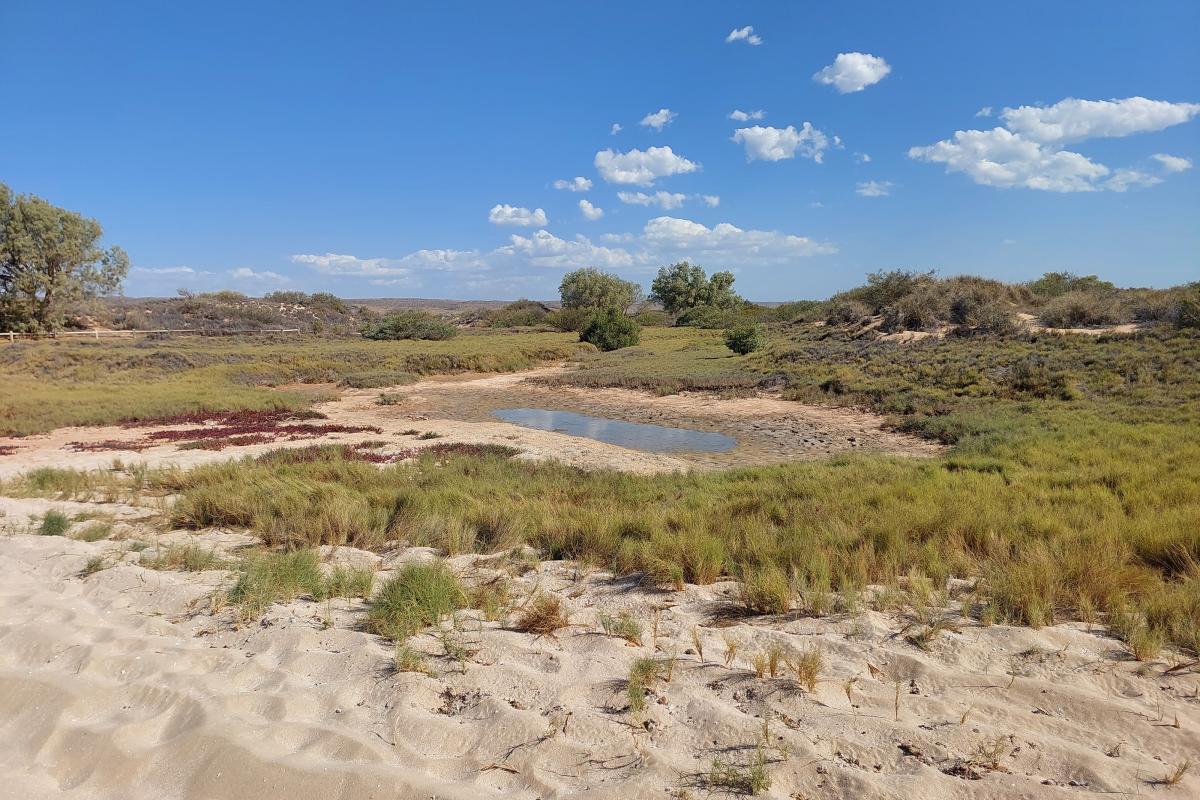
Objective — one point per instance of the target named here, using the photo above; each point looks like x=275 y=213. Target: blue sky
x=405 y=150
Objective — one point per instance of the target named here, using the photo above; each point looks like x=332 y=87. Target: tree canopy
x=592 y=288
x=682 y=286
x=50 y=261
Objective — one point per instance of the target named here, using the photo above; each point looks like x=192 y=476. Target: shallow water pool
x=634 y=435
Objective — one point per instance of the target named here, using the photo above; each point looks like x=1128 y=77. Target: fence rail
x=12 y=336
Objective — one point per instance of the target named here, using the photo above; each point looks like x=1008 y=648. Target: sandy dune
x=119 y=685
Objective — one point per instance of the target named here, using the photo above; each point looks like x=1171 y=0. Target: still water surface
x=635 y=435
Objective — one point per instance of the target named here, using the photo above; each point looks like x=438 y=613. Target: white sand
x=119 y=685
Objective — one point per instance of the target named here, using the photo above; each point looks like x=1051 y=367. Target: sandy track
x=110 y=688
x=458 y=409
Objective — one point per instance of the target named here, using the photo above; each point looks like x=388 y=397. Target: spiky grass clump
x=642 y=675
x=348 y=582
x=751 y=779
x=54 y=523
x=418 y=596
x=272 y=577
x=94 y=531
x=766 y=590
x=492 y=598
x=185 y=558
x=408 y=659
x=622 y=626
x=807 y=668
x=543 y=616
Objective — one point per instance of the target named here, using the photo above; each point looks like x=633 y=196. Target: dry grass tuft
x=543 y=616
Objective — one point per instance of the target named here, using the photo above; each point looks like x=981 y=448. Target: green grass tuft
x=418 y=596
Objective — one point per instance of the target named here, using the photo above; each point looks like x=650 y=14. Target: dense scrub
x=226 y=311
x=50 y=384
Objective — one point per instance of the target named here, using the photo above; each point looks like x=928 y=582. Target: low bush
x=418 y=596
x=652 y=318
x=846 y=312
x=376 y=380
x=611 y=330
x=1081 y=309
x=570 y=320
x=413 y=324
x=748 y=338
x=711 y=317
x=521 y=313
x=54 y=523
x=919 y=310
x=800 y=311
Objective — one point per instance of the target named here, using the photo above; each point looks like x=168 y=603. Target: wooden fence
x=12 y=336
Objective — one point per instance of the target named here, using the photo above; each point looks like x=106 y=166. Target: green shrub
x=412 y=324
x=652 y=318
x=919 y=310
x=521 y=313
x=1187 y=313
x=747 y=338
x=54 y=523
x=846 y=312
x=886 y=288
x=1054 y=284
x=570 y=320
x=417 y=597
x=708 y=317
x=375 y=380
x=801 y=311
x=1033 y=377
x=611 y=330
x=1080 y=309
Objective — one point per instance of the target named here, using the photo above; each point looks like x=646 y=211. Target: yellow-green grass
x=55 y=383
x=1078 y=515
x=668 y=360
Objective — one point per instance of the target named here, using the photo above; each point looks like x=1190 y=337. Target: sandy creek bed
x=459 y=409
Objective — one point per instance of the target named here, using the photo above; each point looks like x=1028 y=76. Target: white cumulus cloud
x=853 y=72
x=670 y=237
x=615 y=129
x=1028 y=152
x=1172 y=163
x=711 y=200
x=590 y=211
x=874 y=188
x=1074 y=120
x=641 y=168
x=659 y=119
x=544 y=249
x=165 y=270
x=745 y=34
x=862 y=158
x=504 y=214
x=392 y=270
x=1125 y=179
x=247 y=274
x=737 y=115
x=576 y=184
x=774 y=144
x=986 y=111
x=665 y=200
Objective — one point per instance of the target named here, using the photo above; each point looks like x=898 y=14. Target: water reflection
x=635 y=435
